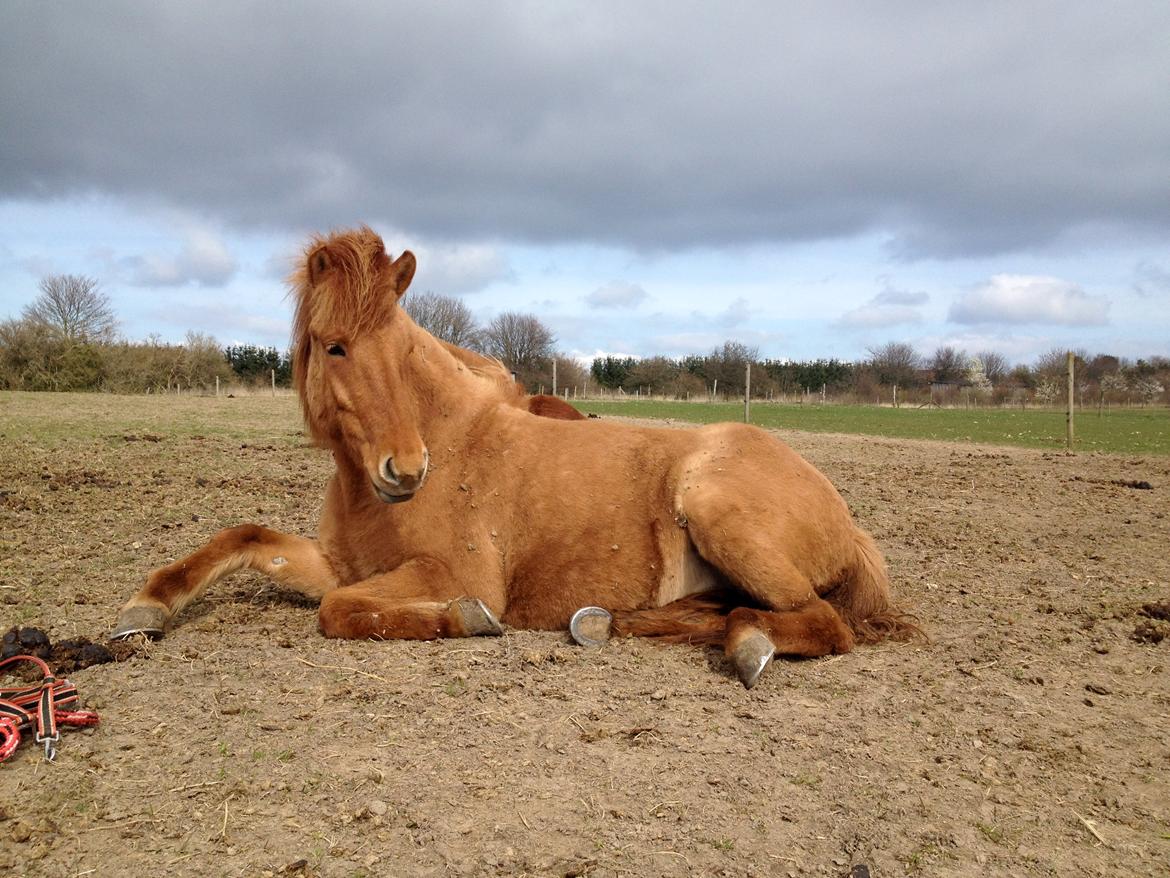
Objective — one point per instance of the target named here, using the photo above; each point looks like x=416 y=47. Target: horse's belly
x=685 y=574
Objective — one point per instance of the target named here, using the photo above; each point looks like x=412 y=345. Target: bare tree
x=895 y=363
x=519 y=341
x=445 y=317
x=947 y=365
x=727 y=364
x=73 y=307
x=1053 y=364
x=995 y=366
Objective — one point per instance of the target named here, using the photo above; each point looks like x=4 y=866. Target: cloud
x=890 y=307
x=203 y=259
x=617 y=294
x=586 y=359
x=958 y=139
x=701 y=342
x=1150 y=279
x=226 y=319
x=891 y=296
x=871 y=316
x=456 y=269
x=736 y=313
x=1020 y=299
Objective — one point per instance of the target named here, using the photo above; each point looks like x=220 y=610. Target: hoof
x=150 y=621
x=590 y=626
x=751 y=657
x=478 y=620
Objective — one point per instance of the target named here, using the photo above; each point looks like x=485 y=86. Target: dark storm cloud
x=953 y=128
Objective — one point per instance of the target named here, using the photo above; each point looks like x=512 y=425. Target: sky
x=814 y=180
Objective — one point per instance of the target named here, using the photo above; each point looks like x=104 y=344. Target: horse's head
x=355 y=361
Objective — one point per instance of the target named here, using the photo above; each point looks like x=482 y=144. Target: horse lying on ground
x=453 y=507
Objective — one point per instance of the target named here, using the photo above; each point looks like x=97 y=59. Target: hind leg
x=698 y=619
x=754 y=547
x=292 y=561
x=754 y=636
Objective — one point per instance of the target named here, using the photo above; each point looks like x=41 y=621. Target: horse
x=452 y=508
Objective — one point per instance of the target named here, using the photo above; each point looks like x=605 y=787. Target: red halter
x=41 y=706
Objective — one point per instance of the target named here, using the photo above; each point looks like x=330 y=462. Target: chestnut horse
x=452 y=506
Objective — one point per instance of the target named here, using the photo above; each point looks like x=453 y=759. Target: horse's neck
x=451 y=379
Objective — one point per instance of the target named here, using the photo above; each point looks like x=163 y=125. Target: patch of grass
x=807 y=780
x=1118 y=431
x=919 y=857
x=992 y=833
x=53 y=419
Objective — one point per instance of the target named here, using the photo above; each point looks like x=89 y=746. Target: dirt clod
x=1149 y=631
x=63 y=657
x=1159 y=610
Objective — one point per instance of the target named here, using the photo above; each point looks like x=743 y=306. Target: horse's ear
x=320 y=264
x=402 y=272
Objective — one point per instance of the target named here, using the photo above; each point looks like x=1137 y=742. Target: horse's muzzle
x=386 y=497
x=393 y=486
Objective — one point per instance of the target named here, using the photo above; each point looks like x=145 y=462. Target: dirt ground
x=1030 y=737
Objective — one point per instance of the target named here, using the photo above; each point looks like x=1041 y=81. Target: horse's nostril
x=388 y=472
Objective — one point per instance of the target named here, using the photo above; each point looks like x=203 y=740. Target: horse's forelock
x=345 y=283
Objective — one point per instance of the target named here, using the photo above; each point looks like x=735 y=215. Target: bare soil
x=1031 y=736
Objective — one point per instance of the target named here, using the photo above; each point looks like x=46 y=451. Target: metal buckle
x=50 y=742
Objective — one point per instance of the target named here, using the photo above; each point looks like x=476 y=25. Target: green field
x=1129 y=431
x=53 y=418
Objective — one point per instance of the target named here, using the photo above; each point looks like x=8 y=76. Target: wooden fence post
x=1069 y=438
x=747 y=394
x=274 y=382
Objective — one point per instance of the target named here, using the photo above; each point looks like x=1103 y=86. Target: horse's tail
x=700 y=619
x=863 y=597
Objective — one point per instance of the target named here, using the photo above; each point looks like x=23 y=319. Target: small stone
x=658 y=695
x=377 y=807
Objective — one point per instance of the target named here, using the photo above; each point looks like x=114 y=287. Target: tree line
x=66 y=339
x=945 y=377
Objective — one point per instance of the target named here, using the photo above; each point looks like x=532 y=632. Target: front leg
x=419 y=600
x=292 y=561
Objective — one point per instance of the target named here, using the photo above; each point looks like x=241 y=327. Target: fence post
x=747 y=394
x=895 y=396
x=217 y=385
x=274 y=382
x=554 y=389
x=1071 y=359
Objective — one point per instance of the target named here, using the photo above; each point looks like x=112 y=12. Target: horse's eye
x=335 y=350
